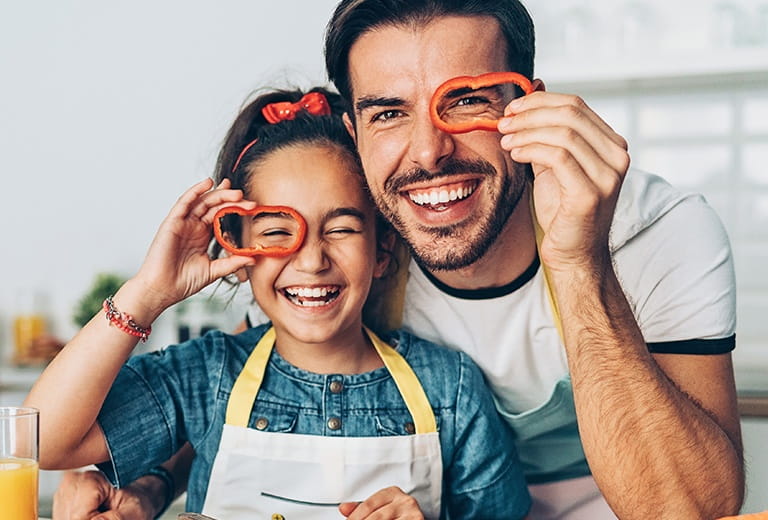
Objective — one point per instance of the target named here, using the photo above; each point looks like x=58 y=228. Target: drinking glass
x=18 y=463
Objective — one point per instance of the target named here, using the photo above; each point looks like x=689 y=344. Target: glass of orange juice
x=18 y=463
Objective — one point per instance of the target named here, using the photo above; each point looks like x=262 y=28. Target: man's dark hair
x=353 y=18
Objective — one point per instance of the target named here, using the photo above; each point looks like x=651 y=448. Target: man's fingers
x=572 y=104
x=79 y=495
x=562 y=126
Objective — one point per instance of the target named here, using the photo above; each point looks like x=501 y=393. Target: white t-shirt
x=672 y=257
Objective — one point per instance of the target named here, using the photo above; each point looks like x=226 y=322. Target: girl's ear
x=384 y=253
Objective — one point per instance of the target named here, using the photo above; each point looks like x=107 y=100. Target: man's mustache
x=452 y=167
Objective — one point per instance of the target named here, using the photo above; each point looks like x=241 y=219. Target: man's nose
x=311 y=257
x=428 y=146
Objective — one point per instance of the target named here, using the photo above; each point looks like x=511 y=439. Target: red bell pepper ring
x=473 y=82
x=273 y=251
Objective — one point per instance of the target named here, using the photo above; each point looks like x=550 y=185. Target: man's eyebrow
x=372 y=101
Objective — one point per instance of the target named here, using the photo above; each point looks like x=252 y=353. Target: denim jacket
x=162 y=399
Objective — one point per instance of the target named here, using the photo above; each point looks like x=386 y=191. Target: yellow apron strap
x=408 y=384
x=247 y=385
x=550 y=292
x=249 y=381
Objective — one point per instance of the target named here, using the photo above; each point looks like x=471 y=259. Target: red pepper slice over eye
x=471 y=83
x=289 y=240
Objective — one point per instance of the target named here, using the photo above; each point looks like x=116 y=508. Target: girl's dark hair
x=251 y=126
x=353 y=18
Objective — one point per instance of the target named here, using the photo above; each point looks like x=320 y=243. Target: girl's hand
x=391 y=503
x=177 y=264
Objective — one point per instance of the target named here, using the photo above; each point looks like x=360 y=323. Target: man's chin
x=445 y=253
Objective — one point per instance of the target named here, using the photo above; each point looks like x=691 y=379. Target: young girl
x=311 y=415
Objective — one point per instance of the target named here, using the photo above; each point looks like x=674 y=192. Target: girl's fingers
x=227 y=265
x=187 y=200
x=216 y=198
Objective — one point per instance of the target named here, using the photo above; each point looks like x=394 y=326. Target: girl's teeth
x=320 y=295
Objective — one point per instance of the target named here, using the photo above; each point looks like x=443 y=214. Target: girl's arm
x=72 y=389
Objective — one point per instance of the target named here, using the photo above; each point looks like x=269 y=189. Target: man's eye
x=473 y=100
x=386 y=115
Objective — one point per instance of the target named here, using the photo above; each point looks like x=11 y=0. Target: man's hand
x=87 y=495
x=579 y=164
x=391 y=502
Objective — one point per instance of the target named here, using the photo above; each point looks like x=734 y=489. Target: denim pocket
x=397 y=424
x=277 y=419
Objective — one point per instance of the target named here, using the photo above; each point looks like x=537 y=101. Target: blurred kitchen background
x=110 y=110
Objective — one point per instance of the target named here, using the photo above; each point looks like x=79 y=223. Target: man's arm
x=661 y=433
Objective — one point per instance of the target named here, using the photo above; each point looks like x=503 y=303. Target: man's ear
x=350 y=125
x=538 y=85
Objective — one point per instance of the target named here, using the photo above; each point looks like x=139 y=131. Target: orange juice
x=18 y=489
x=27 y=328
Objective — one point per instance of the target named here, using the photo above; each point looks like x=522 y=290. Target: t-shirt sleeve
x=143 y=416
x=678 y=276
x=485 y=478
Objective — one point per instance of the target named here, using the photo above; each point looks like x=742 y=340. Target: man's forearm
x=653 y=450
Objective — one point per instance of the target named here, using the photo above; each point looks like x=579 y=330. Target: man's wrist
x=159 y=488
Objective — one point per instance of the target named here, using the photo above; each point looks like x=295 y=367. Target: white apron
x=265 y=475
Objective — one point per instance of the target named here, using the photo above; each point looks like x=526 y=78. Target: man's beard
x=458 y=245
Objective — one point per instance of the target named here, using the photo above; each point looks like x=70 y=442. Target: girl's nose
x=311 y=257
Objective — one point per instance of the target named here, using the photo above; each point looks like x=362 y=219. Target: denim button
x=262 y=423
x=334 y=423
x=410 y=428
x=278 y=516
x=335 y=387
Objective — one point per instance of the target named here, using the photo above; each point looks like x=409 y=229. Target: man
x=640 y=275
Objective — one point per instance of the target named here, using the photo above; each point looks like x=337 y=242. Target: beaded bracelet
x=170 y=486
x=124 y=321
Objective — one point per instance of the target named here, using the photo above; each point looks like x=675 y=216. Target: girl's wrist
x=139 y=302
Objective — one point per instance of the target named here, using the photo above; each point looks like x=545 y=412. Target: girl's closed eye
x=340 y=229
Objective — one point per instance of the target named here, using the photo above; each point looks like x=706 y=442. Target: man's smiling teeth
x=443 y=194
x=311 y=296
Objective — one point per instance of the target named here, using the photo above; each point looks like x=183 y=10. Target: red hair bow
x=314 y=102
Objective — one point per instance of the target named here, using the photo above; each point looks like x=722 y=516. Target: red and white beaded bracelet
x=124 y=321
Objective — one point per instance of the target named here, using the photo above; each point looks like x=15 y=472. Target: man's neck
x=510 y=255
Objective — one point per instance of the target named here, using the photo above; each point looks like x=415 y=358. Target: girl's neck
x=350 y=353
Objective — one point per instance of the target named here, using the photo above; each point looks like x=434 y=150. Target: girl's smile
x=315 y=296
